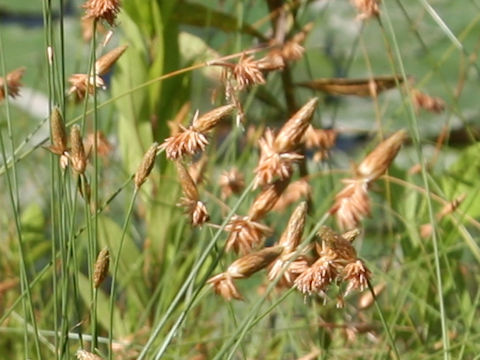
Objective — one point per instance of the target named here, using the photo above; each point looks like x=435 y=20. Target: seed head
x=293 y=232
x=85 y=355
x=357 y=275
x=351 y=204
x=244 y=234
x=208 y=121
x=146 y=165
x=105 y=62
x=101 y=267
x=247 y=72
x=266 y=200
x=83 y=83
x=102 y=9
x=187 y=142
x=58 y=134
x=13 y=83
x=231 y=182
x=291 y=134
x=78 y=158
x=427 y=102
x=295 y=191
x=378 y=161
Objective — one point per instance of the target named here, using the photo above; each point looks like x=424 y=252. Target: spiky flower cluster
x=352 y=203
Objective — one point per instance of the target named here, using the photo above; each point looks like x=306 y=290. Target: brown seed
x=58 y=134
x=101 y=267
x=105 y=62
x=78 y=157
x=146 y=165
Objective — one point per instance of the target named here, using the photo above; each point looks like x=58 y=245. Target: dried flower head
x=321 y=139
x=104 y=147
x=295 y=191
x=266 y=200
x=273 y=164
x=351 y=204
x=101 y=267
x=357 y=275
x=231 y=182
x=244 y=234
x=241 y=268
x=105 y=62
x=193 y=139
x=58 y=134
x=102 y=9
x=12 y=83
x=190 y=201
x=85 y=355
x=247 y=72
x=378 y=161
x=146 y=165
x=83 y=83
x=366 y=8
x=337 y=262
x=78 y=158
x=427 y=102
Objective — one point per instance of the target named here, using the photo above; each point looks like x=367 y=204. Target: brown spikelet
x=357 y=275
x=246 y=72
x=321 y=139
x=102 y=9
x=266 y=200
x=13 y=83
x=295 y=191
x=351 y=204
x=377 y=162
x=242 y=268
x=101 y=267
x=78 y=158
x=104 y=147
x=190 y=201
x=208 y=121
x=186 y=142
x=290 y=135
x=146 y=165
x=367 y=299
x=85 y=355
x=58 y=134
x=83 y=83
x=366 y=8
x=231 y=182
x=273 y=164
x=244 y=234
x=105 y=62
x=427 y=102
x=290 y=239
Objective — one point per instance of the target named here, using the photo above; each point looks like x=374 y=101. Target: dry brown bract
x=337 y=262
x=102 y=9
x=78 y=157
x=244 y=234
x=243 y=267
x=13 y=83
x=366 y=8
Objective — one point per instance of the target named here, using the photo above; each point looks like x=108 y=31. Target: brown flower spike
x=101 y=267
x=193 y=139
x=13 y=83
x=146 y=165
x=243 y=267
x=78 y=157
x=190 y=200
x=278 y=153
x=102 y=9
